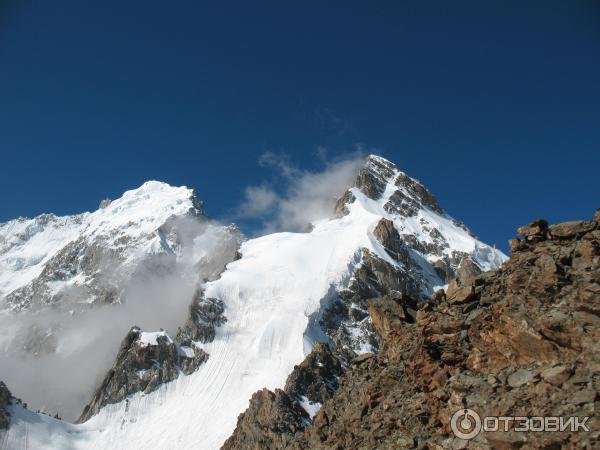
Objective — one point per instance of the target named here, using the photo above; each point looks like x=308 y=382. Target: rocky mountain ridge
x=517 y=341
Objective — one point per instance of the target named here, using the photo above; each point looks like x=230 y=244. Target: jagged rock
x=274 y=419
x=341 y=205
x=400 y=203
x=534 y=232
x=316 y=377
x=597 y=216
x=458 y=293
x=144 y=362
x=5 y=401
x=418 y=191
x=468 y=271
x=439 y=296
x=373 y=177
x=270 y=422
x=205 y=314
x=515 y=245
x=519 y=377
x=389 y=237
x=556 y=375
x=347 y=319
x=567 y=230
x=389 y=312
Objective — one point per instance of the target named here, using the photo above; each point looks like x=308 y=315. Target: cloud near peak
x=301 y=196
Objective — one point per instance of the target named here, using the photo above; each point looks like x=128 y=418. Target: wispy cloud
x=296 y=197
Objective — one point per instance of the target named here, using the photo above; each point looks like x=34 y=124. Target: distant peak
x=406 y=194
x=157 y=194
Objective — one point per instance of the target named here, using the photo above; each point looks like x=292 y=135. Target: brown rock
x=519 y=378
x=571 y=229
x=460 y=294
x=389 y=237
x=271 y=421
x=536 y=228
x=556 y=375
x=515 y=245
x=505 y=440
x=584 y=396
x=439 y=296
x=468 y=271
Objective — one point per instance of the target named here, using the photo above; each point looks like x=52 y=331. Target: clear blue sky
x=494 y=105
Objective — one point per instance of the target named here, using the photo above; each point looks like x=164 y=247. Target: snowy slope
x=128 y=226
x=71 y=287
x=274 y=296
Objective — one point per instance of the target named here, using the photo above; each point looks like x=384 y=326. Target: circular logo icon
x=466 y=424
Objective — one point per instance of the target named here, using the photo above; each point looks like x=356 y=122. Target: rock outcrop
x=273 y=418
x=5 y=401
x=521 y=341
x=144 y=362
x=416 y=256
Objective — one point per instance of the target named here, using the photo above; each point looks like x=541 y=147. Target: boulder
x=519 y=378
x=568 y=230
x=535 y=228
x=556 y=375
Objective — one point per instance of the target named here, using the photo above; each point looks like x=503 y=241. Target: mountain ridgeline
x=363 y=332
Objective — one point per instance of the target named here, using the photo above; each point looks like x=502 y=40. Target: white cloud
x=259 y=200
x=306 y=196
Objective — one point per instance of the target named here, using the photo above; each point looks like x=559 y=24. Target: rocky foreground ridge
x=518 y=341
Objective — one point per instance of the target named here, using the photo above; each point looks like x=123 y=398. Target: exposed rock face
x=316 y=378
x=270 y=422
x=144 y=362
x=272 y=419
x=5 y=400
x=373 y=177
x=205 y=315
x=147 y=360
x=347 y=320
x=407 y=198
x=340 y=208
x=420 y=256
x=523 y=342
x=389 y=237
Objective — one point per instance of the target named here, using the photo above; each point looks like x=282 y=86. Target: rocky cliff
x=5 y=400
x=518 y=341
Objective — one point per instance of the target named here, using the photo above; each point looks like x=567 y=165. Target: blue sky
x=495 y=106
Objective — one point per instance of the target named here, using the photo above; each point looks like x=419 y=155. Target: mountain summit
x=45 y=259
x=283 y=295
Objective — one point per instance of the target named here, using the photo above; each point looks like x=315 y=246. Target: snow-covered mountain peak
x=43 y=256
x=148 y=207
x=422 y=224
x=71 y=287
x=283 y=293
x=379 y=177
